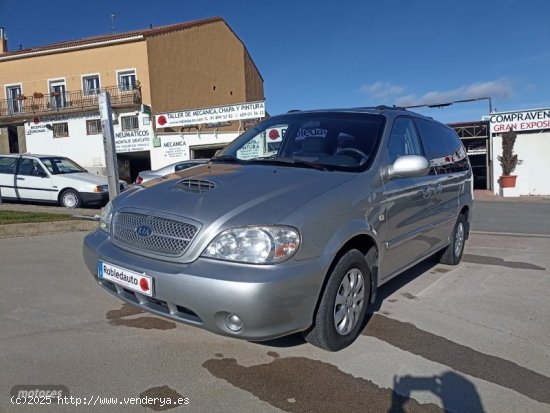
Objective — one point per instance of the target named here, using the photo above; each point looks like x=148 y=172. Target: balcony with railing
x=38 y=104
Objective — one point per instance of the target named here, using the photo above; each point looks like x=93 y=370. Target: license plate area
x=131 y=280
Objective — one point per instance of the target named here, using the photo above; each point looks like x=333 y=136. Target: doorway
x=477 y=150
x=130 y=164
x=204 y=152
x=13 y=139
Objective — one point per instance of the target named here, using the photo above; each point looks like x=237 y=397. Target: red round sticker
x=36 y=121
x=144 y=284
x=273 y=134
x=162 y=120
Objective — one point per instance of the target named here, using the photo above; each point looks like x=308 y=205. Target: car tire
x=70 y=198
x=452 y=254
x=340 y=316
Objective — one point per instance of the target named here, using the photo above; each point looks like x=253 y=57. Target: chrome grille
x=164 y=236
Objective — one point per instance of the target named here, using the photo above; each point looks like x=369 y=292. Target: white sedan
x=53 y=179
x=145 y=176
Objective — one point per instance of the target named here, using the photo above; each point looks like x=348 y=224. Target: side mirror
x=408 y=166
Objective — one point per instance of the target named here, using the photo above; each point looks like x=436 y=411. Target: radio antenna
x=113 y=17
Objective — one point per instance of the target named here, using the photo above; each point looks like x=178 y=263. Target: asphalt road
x=471 y=338
x=513 y=216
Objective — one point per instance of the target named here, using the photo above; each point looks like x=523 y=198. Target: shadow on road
x=456 y=393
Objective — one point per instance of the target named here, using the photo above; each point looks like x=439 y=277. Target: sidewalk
x=487 y=195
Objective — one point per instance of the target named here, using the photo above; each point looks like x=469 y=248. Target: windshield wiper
x=226 y=158
x=290 y=162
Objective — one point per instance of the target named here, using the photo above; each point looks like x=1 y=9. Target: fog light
x=234 y=323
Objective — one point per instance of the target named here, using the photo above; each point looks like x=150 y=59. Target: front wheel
x=452 y=254
x=343 y=306
x=70 y=199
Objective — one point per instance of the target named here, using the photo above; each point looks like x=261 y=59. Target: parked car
x=49 y=178
x=262 y=242
x=145 y=176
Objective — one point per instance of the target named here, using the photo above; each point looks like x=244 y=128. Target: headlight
x=258 y=245
x=106 y=216
x=101 y=188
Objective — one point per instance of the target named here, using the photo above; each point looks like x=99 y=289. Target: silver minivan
x=293 y=227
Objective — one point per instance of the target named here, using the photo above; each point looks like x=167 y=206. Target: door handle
x=20 y=179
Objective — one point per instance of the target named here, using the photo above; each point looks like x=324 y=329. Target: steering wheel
x=364 y=156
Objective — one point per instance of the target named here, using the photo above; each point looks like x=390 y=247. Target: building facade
x=50 y=93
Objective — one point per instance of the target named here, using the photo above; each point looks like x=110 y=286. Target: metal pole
x=109 y=147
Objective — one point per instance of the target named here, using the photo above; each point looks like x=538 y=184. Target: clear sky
x=344 y=53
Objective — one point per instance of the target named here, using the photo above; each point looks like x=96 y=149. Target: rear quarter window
x=7 y=165
x=442 y=147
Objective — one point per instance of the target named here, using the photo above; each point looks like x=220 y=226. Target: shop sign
x=520 y=121
x=171 y=147
x=133 y=141
x=216 y=114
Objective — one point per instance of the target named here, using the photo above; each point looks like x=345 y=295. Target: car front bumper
x=94 y=198
x=271 y=300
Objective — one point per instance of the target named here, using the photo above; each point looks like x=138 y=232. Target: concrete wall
x=199 y=67
x=21 y=141
x=177 y=147
x=533 y=175
x=86 y=150
x=253 y=81
x=4 y=141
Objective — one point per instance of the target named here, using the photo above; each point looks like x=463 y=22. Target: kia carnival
x=292 y=227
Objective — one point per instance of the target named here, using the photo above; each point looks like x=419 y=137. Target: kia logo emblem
x=144 y=231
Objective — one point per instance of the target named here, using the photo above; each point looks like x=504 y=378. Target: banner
x=520 y=121
x=215 y=114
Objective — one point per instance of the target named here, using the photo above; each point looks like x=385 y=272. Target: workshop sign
x=215 y=114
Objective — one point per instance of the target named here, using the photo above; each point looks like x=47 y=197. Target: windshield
x=321 y=140
x=58 y=165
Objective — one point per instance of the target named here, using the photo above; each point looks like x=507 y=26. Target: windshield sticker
x=304 y=133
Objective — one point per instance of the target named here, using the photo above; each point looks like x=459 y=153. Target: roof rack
x=382 y=107
x=385 y=107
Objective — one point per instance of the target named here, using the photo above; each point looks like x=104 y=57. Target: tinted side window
x=442 y=146
x=7 y=165
x=403 y=139
x=434 y=139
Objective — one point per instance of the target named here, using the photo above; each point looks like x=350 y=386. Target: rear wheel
x=452 y=254
x=70 y=198
x=343 y=306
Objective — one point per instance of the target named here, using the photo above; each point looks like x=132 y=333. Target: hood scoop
x=196 y=185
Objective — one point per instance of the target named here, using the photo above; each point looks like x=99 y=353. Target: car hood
x=85 y=177
x=151 y=174
x=230 y=195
